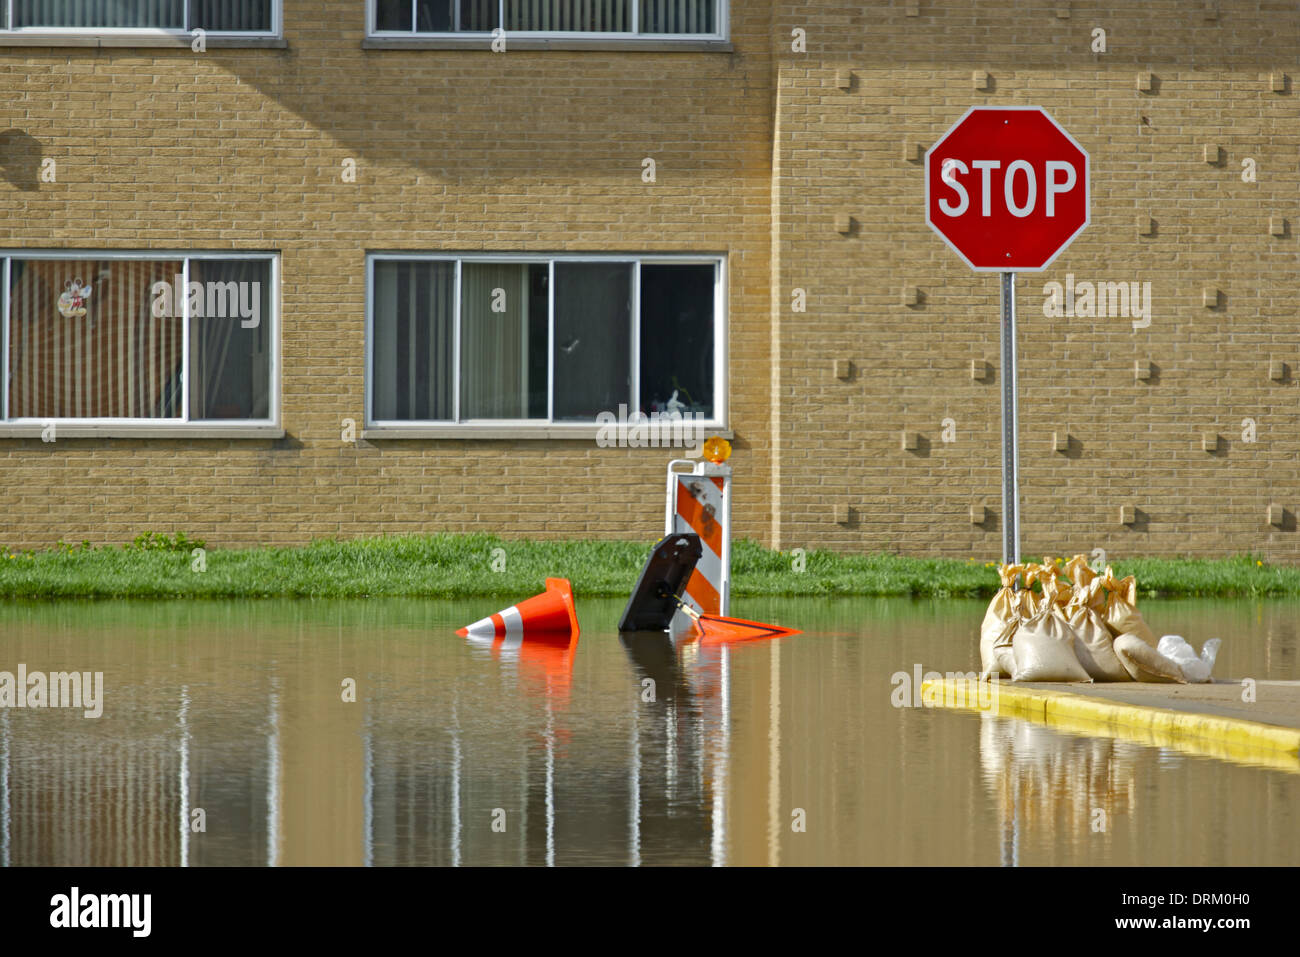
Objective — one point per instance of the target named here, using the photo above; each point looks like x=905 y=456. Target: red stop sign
x=1007 y=188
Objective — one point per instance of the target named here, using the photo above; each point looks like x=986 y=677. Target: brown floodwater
x=226 y=739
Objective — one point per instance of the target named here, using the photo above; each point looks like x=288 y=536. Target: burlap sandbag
x=1122 y=617
x=1043 y=645
x=1144 y=663
x=1029 y=600
x=1000 y=624
x=1040 y=573
x=1094 y=645
x=1081 y=575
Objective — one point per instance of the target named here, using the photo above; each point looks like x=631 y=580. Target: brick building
x=409 y=250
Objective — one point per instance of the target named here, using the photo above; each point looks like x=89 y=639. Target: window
x=172 y=16
x=111 y=338
x=636 y=18
x=543 y=340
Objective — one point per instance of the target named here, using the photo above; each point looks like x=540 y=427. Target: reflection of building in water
x=572 y=790
x=4 y=788
x=286 y=773
x=653 y=795
x=1280 y=658
x=82 y=792
x=461 y=780
x=69 y=798
x=1051 y=785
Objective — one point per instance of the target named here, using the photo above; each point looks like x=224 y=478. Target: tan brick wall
x=757 y=152
x=456 y=150
x=1135 y=443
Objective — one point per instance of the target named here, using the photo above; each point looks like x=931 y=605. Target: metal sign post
x=1010 y=427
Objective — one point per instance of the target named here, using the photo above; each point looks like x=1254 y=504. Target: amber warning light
x=717 y=450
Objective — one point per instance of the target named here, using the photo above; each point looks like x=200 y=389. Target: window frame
x=543 y=428
x=100 y=425
x=9 y=32
x=532 y=38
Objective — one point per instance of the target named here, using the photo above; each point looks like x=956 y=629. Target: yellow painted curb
x=1275 y=760
x=1231 y=735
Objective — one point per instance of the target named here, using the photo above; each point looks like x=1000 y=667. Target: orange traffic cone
x=550 y=612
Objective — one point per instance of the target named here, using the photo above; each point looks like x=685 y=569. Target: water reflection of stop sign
x=1007 y=188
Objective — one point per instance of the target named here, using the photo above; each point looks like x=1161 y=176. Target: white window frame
x=547 y=427
x=9 y=30
x=723 y=31
x=99 y=425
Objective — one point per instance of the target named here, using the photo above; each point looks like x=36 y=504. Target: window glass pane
x=479 y=16
x=230 y=338
x=503 y=341
x=593 y=339
x=678 y=16
x=231 y=16
x=157 y=14
x=392 y=14
x=84 y=341
x=434 y=16
x=677 y=339
x=598 y=16
x=414 y=335
x=4 y=355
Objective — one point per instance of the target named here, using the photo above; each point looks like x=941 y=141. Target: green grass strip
x=463 y=566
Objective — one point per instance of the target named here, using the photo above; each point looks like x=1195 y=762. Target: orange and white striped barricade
x=699 y=501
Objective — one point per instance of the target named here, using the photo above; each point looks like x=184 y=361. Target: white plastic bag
x=1195 y=668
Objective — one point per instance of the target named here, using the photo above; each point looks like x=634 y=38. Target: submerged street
x=232 y=717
